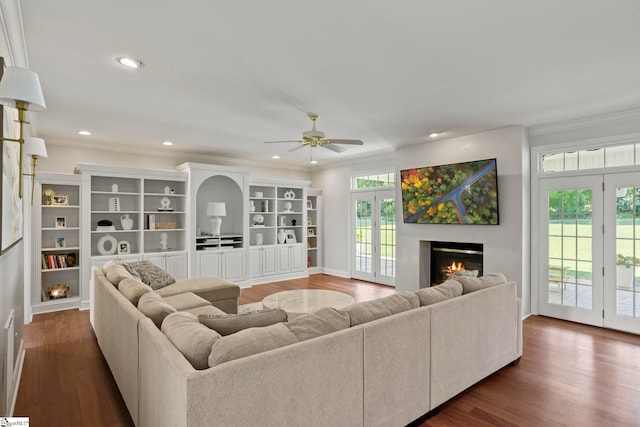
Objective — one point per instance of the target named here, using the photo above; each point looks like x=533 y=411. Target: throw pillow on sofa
x=153 y=306
x=190 y=337
x=133 y=289
x=472 y=284
x=444 y=291
x=249 y=342
x=368 y=311
x=228 y=324
x=152 y=275
x=321 y=322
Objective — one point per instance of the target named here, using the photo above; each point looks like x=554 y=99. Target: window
x=379 y=180
x=593 y=158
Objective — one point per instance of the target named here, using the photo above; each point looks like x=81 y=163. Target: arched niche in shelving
x=220 y=188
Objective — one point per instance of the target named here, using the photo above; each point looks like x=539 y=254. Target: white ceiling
x=221 y=77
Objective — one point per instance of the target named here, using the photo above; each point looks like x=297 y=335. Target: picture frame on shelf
x=60 y=200
x=290 y=236
x=124 y=248
x=60 y=242
x=61 y=222
x=309 y=204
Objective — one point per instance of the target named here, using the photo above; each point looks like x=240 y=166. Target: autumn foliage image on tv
x=459 y=193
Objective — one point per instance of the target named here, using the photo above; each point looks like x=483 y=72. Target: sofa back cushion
x=250 y=341
x=115 y=272
x=368 y=311
x=133 y=289
x=318 y=323
x=472 y=284
x=228 y=324
x=449 y=289
x=153 y=306
x=190 y=337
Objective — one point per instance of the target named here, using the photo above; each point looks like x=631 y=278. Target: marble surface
x=301 y=301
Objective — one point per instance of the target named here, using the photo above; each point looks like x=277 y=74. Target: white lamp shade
x=20 y=84
x=216 y=209
x=35 y=147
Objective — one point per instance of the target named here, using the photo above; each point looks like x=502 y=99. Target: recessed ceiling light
x=84 y=132
x=275 y=157
x=130 y=62
x=433 y=134
x=167 y=143
x=313 y=162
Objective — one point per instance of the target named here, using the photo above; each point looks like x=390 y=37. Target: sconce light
x=215 y=210
x=20 y=88
x=35 y=148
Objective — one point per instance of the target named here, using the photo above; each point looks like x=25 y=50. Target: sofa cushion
x=151 y=274
x=132 y=271
x=321 y=322
x=210 y=288
x=116 y=272
x=190 y=337
x=367 y=311
x=449 y=289
x=154 y=307
x=185 y=301
x=133 y=289
x=206 y=309
x=472 y=284
x=250 y=341
x=228 y=324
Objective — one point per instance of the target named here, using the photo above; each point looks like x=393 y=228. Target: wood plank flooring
x=569 y=375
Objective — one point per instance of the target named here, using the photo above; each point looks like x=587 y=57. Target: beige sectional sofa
x=396 y=361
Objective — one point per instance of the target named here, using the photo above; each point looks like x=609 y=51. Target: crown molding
x=587 y=122
x=13 y=33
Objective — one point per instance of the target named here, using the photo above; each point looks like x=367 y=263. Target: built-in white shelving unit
x=56 y=243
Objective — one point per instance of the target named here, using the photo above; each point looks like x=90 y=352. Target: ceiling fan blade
x=335 y=148
x=298 y=147
x=278 y=142
x=346 y=141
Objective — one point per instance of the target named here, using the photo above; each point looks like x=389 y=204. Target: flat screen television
x=457 y=193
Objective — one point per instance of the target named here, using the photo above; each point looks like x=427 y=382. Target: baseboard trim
x=339 y=273
x=17 y=375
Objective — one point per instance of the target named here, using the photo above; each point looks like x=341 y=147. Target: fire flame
x=450 y=269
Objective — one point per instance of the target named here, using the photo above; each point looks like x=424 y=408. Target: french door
x=571 y=249
x=590 y=250
x=374 y=236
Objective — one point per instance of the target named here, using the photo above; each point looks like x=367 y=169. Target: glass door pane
x=363 y=211
x=571 y=278
x=386 y=238
x=622 y=269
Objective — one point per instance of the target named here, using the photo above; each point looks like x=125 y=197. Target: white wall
x=336 y=193
x=505 y=245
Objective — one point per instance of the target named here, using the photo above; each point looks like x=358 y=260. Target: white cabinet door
x=284 y=263
x=296 y=253
x=255 y=262
x=157 y=260
x=233 y=265
x=268 y=260
x=176 y=265
x=210 y=263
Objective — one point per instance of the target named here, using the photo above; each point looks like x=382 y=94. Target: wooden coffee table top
x=302 y=301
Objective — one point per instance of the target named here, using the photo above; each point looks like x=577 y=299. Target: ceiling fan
x=314 y=138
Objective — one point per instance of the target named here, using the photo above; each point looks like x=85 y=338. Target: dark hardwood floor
x=569 y=375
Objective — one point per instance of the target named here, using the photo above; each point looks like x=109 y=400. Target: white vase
x=281 y=236
x=126 y=222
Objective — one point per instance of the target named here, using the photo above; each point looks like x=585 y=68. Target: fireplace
x=447 y=257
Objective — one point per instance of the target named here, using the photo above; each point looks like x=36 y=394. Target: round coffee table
x=302 y=301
